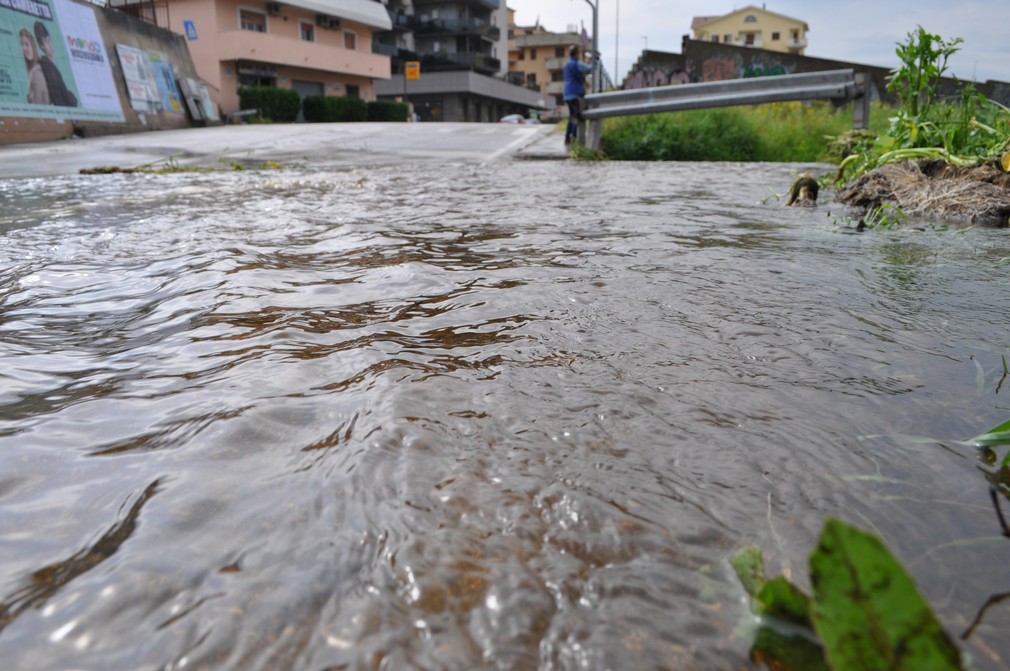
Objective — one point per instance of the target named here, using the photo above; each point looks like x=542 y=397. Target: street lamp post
x=591 y=135
x=597 y=83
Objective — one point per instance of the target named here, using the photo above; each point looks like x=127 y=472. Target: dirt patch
x=934 y=189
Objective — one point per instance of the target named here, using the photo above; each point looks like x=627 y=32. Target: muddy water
x=513 y=416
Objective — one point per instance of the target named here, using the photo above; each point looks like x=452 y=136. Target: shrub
x=704 y=135
x=280 y=105
x=332 y=108
x=387 y=110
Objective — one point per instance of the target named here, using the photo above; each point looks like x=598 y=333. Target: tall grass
x=777 y=132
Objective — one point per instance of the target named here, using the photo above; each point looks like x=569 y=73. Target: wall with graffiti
x=709 y=62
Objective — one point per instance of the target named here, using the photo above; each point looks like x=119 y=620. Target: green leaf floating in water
x=867 y=610
x=994 y=437
x=783 y=599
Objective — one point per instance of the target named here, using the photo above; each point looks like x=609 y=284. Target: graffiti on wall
x=718 y=68
x=53 y=63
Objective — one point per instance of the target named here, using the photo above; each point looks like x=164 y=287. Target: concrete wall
x=116 y=28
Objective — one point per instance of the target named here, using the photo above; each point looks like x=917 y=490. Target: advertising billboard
x=53 y=63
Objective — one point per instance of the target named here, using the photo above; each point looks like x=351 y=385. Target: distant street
x=322 y=145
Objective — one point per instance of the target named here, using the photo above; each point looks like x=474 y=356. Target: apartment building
x=753 y=27
x=315 y=47
x=462 y=49
x=537 y=59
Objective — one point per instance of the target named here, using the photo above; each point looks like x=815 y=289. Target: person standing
x=59 y=94
x=575 y=72
x=38 y=91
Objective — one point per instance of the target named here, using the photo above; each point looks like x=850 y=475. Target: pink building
x=316 y=47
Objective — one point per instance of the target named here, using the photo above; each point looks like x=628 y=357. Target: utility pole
x=591 y=135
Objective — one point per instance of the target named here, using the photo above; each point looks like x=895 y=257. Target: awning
x=367 y=12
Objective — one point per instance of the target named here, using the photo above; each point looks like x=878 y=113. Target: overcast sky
x=860 y=31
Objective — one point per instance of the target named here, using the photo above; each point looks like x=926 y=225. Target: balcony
x=486 y=4
x=459 y=27
x=798 y=43
x=462 y=60
x=402 y=22
x=555 y=88
x=266 y=48
x=556 y=63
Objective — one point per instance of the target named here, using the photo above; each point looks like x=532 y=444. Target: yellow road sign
x=413 y=69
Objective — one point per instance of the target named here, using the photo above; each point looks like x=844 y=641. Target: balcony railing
x=461 y=60
x=798 y=43
x=401 y=21
x=458 y=27
x=487 y=4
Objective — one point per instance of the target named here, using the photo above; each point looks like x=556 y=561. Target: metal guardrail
x=833 y=84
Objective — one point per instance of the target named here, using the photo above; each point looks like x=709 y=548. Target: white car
x=518 y=118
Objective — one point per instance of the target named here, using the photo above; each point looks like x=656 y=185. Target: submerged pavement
x=321 y=145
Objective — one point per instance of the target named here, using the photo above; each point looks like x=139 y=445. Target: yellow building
x=753 y=27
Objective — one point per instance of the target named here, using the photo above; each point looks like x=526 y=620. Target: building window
x=715 y=39
x=533 y=54
x=350 y=40
x=522 y=54
x=254 y=21
x=750 y=19
x=308 y=31
x=531 y=80
x=353 y=91
x=559 y=52
x=749 y=39
x=727 y=38
x=776 y=37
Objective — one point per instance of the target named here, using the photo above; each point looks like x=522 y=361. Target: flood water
x=505 y=416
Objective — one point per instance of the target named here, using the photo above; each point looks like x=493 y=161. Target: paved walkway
x=322 y=145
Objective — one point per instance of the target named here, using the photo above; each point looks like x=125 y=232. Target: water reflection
x=501 y=417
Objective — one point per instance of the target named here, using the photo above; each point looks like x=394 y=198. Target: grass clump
x=775 y=132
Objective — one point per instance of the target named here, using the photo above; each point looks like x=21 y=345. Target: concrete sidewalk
x=319 y=145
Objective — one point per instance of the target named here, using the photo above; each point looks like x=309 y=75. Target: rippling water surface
x=505 y=416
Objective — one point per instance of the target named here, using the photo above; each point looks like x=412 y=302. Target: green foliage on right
x=865 y=611
x=329 y=109
x=278 y=105
x=868 y=611
x=965 y=130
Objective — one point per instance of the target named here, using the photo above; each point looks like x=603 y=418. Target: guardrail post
x=594 y=129
x=861 y=103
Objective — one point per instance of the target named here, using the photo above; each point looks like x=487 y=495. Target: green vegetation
x=792 y=132
x=387 y=110
x=274 y=104
x=335 y=109
x=865 y=612
x=965 y=130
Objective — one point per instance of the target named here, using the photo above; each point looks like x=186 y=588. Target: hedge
x=274 y=104
x=387 y=110
x=332 y=108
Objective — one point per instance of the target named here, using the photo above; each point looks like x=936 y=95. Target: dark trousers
x=574 y=117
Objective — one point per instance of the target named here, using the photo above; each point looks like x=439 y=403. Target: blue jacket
x=575 y=78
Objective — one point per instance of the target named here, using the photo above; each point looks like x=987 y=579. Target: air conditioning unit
x=274 y=8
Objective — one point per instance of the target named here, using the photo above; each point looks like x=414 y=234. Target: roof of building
x=365 y=12
x=698 y=21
